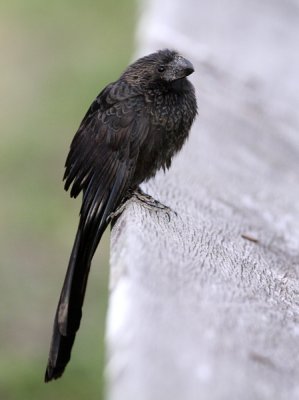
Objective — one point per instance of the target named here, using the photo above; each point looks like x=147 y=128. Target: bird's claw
x=117 y=212
x=150 y=203
x=146 y=200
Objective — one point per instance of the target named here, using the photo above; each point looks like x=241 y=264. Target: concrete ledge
x=205 y=306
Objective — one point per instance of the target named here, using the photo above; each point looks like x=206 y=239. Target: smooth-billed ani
x=131 y=130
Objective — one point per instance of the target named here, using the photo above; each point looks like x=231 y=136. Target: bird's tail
x=69 y=309
x=94 y=218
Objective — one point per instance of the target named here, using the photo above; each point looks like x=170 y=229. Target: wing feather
x=101 y=164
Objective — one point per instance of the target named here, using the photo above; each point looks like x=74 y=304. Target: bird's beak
x=183 y=68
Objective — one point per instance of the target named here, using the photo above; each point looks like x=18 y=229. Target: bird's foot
x=146 y=200
x=150 y=203
x=118 y=211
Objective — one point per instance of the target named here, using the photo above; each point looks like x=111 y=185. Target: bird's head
x=164 y=66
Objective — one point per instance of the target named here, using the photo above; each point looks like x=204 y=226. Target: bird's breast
x=170 y=116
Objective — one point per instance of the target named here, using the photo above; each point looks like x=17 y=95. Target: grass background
x=56 y=56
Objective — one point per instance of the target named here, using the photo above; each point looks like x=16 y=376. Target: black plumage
x=131 y=130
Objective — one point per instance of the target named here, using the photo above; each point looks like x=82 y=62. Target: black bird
x=131 y=130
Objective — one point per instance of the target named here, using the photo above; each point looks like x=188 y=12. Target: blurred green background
x=55 y=58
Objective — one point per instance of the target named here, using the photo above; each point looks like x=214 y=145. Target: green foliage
x=56 y=57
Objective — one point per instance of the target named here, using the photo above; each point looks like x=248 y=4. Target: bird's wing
x=101 y=163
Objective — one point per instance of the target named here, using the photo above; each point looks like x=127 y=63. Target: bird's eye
x=161 y=68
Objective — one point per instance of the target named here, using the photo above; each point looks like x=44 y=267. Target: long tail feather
x=69 y=310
